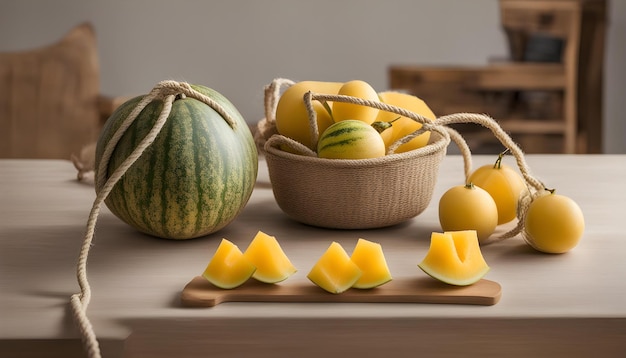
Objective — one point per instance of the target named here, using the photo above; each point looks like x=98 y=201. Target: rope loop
x=167 y=92
x=441 y=125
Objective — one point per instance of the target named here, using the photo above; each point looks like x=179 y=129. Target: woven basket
x=354 y=194
x=350 y=194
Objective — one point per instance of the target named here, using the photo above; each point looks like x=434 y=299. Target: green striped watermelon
x=193 y=180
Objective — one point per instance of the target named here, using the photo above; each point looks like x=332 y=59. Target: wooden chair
x=547 y=104
x=50 y=102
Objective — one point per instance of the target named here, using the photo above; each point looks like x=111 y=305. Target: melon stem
x=498 y=163
x=381 y=126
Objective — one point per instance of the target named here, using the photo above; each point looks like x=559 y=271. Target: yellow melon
x=228 y=268
x=455 y=258
x=292 y=117
x=359 y=89
x=334 y=271
x=369 y=257
x=272 y=264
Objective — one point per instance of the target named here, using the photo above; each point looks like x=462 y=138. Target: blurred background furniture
x=548 y=95
x=51 y=104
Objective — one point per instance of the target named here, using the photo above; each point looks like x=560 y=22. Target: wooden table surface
x=570 y=305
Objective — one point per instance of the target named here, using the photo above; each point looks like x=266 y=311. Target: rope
x=534 y=185
x=427 y=125
x=272 y=95
x=501 y=135
x=440 y=125
x=267 y=127
x=166 y=91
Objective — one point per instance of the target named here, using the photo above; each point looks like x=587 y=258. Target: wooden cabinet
x=548 y=95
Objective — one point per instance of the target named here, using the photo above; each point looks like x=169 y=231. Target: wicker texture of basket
x=354 y=194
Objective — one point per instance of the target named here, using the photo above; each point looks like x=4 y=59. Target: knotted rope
x=440 y=125
x=167 y=92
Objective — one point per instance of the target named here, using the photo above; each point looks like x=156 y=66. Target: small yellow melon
x=272 y=264
x=454 y=257
x=369 y=257
x=334 y=271
x=228 y=268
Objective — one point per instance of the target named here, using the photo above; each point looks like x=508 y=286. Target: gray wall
x=238 y=46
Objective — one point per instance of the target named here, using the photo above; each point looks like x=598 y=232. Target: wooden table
x=570 y=305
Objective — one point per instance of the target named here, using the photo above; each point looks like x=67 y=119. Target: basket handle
x=272 y=95
x=282 y=142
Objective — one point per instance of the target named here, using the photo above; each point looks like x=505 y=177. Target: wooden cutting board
x=200 y=293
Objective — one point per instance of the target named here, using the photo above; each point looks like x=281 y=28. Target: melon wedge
x=272 y=264
x=228 y=268
x=455 y=258
x=369 y=257
x=334 y=271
